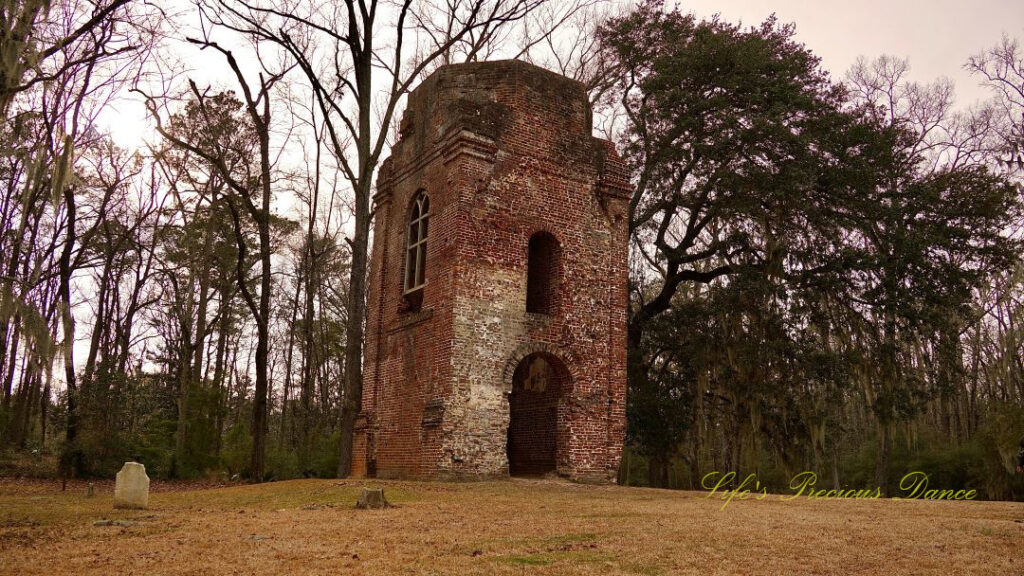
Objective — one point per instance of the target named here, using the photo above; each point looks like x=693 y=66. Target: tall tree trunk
x=12 y=356
x=308 y=354
x=11 y=270
x=835 y=464
x=204 y=299
x=44 y=405
x=352 y=392
x=70 y=463
x=100 y=325
x=191 y=362
x=882 y=458
x=695 y=459
x=289 y=358
x=218 y=370
x=21 y=413
x=184 y=372
x=657 y=471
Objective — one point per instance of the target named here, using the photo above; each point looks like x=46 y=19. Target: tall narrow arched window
x=543 y=268
x=416 y=249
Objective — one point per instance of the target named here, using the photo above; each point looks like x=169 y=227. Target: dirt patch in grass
x=511 y=527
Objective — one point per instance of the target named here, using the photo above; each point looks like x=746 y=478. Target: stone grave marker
x=131 y=489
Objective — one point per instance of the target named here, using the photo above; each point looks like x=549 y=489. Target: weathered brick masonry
x=460 y=379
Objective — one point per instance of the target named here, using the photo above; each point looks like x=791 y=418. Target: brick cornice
x=613 y=175
x=467 y=143
x=450 y=147
x=613 y=179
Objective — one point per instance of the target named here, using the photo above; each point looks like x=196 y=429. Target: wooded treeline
x=825 y=271
x=827 y=275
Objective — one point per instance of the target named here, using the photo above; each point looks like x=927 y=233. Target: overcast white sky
x=937 y=36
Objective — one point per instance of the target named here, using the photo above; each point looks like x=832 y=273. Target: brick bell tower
x=496 y=339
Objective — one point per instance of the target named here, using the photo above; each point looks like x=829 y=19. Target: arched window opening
x=542 y=274
x=415 y=274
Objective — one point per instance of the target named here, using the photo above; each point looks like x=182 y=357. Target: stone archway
x=538 y=415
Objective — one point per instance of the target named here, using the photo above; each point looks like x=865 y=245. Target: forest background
x=825 y=269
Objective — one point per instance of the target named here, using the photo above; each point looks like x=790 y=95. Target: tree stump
x=372 y=498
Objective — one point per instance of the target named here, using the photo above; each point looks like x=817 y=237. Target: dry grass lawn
x=511 y=527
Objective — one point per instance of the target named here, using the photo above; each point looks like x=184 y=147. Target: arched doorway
x=537 y=415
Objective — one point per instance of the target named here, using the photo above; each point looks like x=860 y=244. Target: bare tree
x=359 y=59
x=39 y=47
x=250 y=198
x=62 y=63
x=1002 y=69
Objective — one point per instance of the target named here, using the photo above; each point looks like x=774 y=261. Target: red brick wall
x=504 y=150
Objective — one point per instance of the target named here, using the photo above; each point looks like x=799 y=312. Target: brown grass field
x=509 y=527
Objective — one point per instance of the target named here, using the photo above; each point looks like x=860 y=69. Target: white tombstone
x=132 y=487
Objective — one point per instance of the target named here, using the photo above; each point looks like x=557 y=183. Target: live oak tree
x=749 y=160
x=740 y=150
x=731 y=134
x=932 y=233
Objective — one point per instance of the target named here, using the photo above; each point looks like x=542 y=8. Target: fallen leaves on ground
x=503 y=527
